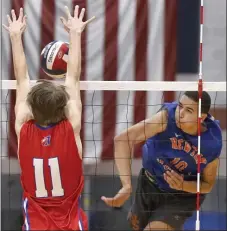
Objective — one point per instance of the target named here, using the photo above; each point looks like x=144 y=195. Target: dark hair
x=47 y=102
x=205 y=100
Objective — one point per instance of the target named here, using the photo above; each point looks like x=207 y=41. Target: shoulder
x=169 y=112
x=65 y=125
x=23 y=126
x=26 y=131
x=170 y=107
x=158 y=120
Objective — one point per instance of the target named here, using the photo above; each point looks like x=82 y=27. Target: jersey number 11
x=41 y=191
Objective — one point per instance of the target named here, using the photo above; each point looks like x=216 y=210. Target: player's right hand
x=16 y=26
x=121 y=197
x=75 y=23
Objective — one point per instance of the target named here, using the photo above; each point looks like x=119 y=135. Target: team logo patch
x=46 y=141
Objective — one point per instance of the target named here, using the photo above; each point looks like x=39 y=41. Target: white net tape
x=136 y=85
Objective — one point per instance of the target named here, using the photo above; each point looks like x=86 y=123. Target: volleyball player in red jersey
x=48 y=121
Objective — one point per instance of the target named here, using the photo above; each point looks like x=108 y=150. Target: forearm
x=19 y=60
x=74 y=58
x=191 y=187
x=123 y=150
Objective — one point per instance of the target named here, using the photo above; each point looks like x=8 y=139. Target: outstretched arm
x=124 y=144
x=16 y=28
x=74 y=26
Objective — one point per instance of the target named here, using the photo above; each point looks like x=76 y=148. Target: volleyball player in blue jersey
x=167 y=183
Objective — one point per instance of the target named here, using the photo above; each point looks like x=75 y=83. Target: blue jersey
x=176 y=150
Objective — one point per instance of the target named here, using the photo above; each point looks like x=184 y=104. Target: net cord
x=200 y=91
x=134 y=85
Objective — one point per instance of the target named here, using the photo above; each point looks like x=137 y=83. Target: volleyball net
x=109 y=107
x=130 y=40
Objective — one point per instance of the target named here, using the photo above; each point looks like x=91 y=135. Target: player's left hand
x=174 y=180
x=16 y=26
x=75 y=23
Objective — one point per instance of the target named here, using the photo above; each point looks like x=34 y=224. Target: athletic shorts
x=153 y=204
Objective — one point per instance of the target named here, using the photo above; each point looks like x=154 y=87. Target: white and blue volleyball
x=54 y=58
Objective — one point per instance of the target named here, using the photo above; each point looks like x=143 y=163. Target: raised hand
x=75 y=23
x=16 y=26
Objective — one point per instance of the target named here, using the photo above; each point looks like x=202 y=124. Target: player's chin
x=182 y=125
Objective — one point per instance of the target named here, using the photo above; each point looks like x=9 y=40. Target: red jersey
x=51 y=177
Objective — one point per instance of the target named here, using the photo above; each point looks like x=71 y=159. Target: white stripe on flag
x=32 y=41
x=155 y=51
x=94 y=71
x=126 y=57
x=60 y=33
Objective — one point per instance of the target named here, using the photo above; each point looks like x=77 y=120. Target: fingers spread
x=90 y=20
x=24 y=20
x=82 y=14
x=9 y=19
x=63 y=20
x=67 y=12
x=13 y=15
x=21 y=14
x=76 y=11
x=5 y=27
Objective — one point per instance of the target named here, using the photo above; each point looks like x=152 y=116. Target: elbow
x=123 y=137
x=117 y=141
x=117 y=138
x=123 y=146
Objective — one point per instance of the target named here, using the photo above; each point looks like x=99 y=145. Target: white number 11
x=41 y=191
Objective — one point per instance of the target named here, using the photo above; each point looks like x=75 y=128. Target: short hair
x=47 y=101
x=205 y=100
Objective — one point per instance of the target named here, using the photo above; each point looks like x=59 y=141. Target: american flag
x=129 y=40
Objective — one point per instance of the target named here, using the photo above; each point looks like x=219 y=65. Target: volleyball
x=54 y=57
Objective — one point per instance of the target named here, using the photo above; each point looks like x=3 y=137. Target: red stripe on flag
x=47 y=29
x=82 y=4
x=170 y=57
x=141 y=31
x=110 y=73
x=12 y=138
